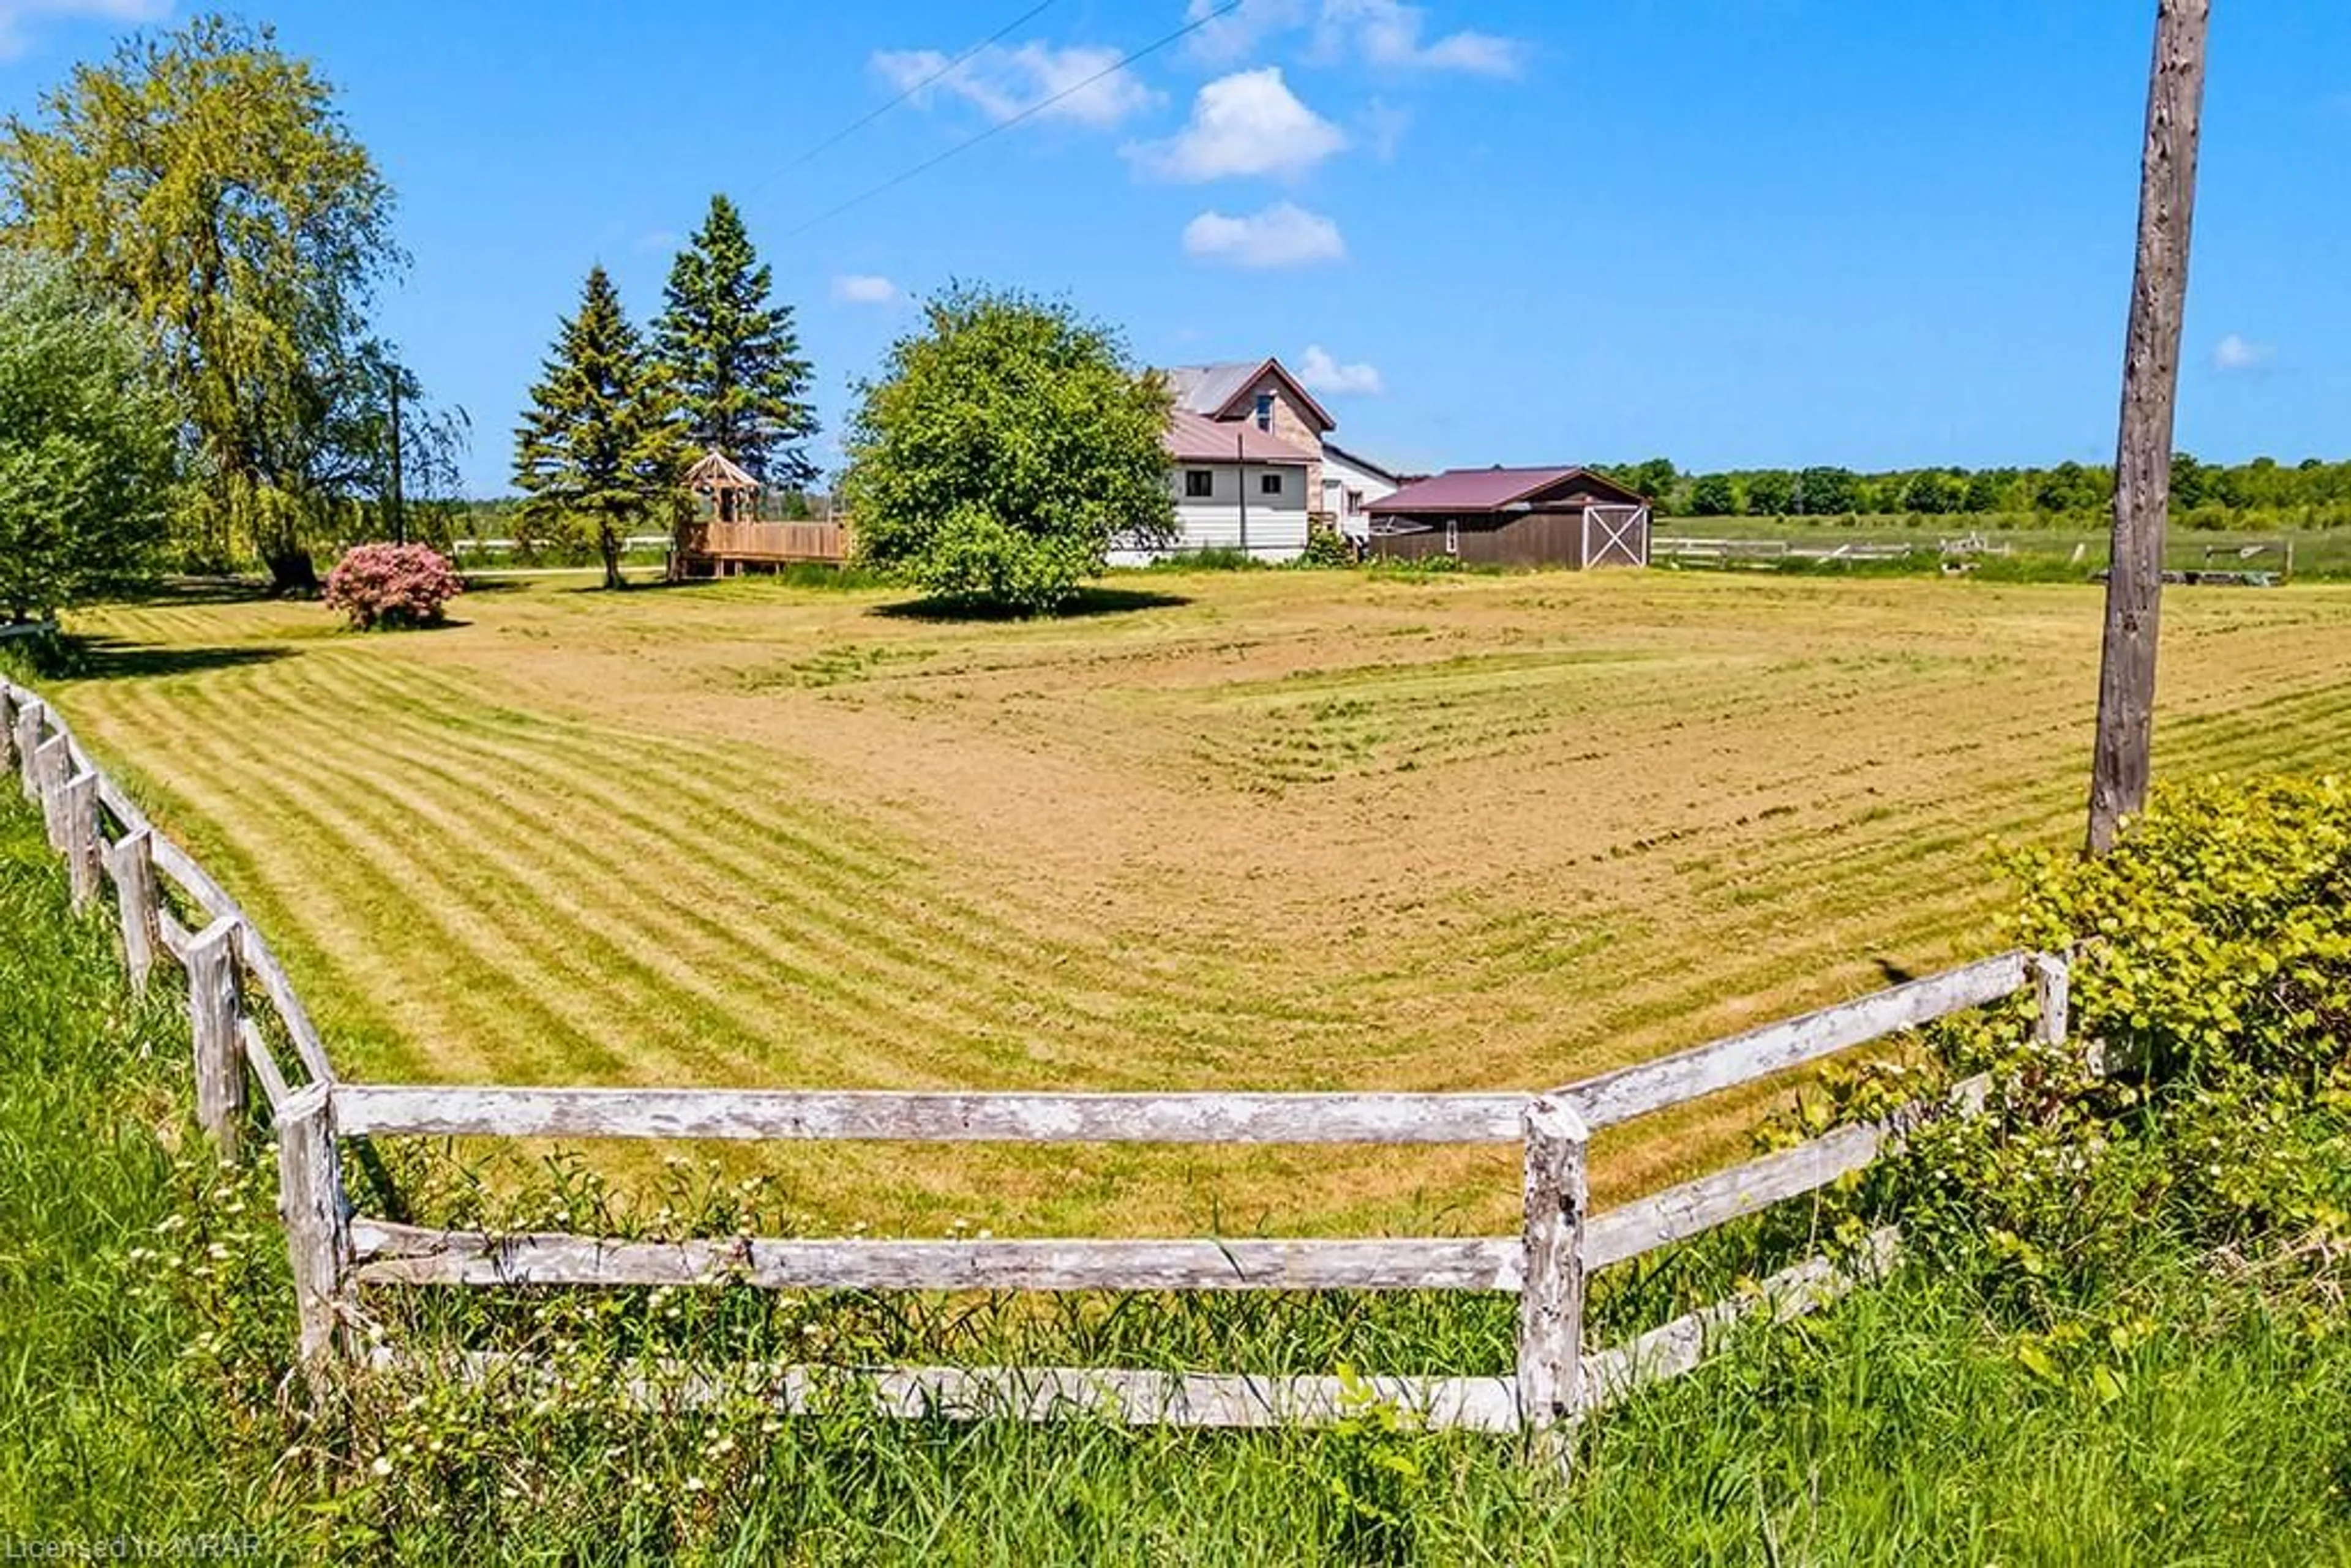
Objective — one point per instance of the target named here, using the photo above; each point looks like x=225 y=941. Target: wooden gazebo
x=732 y=494
x=725 y=535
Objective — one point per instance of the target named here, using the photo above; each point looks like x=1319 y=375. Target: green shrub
x=2213 y=982
x=1327 y=548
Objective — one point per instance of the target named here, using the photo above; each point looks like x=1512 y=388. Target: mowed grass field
x=1264 y=831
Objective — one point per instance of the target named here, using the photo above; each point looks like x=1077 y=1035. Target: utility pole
x=1240 y=469
x=394 y=508
x=2167 y=204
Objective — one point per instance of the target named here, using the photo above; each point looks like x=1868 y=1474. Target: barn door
x=1615 y=536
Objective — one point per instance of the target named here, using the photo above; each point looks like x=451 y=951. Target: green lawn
x=1263 y=830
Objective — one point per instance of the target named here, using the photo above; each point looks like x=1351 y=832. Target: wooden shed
x=1514 y=516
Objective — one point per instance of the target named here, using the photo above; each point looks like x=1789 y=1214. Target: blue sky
x=1733 y=232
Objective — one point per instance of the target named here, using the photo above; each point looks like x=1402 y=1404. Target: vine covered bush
x=391 y=586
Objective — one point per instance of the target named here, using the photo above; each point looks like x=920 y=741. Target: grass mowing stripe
x=819 y=842
x=1004 y=947
x=856 y=947
x=381 y=860
x=735 y=1031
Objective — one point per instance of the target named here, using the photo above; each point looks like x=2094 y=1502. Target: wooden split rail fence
x=335 y=1252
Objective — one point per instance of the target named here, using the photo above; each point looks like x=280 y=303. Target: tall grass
x=112 y=1418
x=143 y=1320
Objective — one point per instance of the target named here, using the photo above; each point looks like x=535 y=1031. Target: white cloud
x=1246 y=123
x=18 y=16
x=1319 y=373
x=1002 y=82
x=1238 y=32
x=1389 y=33
x=2236 y=353
x=1283 y=235
x=653 y=241
x=863 y=288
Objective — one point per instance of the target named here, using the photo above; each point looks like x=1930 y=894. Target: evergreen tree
x=734 y=356
x=602 y=445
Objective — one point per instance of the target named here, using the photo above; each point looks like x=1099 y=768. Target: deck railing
x=1548 y=1265
x=769 y=541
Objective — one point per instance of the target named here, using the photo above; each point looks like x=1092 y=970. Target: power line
x=854 y=127
x=968 y=142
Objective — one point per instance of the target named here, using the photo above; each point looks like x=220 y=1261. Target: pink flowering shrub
x=392 y=585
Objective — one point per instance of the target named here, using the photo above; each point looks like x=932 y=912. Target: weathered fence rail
x=234 y=983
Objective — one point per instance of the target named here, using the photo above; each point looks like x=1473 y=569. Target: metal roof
x=1212 y=389
x=1192 y=438
x=1207 y=389
x=1484 y=489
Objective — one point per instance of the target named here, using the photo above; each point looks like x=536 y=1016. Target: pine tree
x=603 y=443
x=735 y=355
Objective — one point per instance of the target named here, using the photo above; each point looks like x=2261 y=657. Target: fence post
x=52 y=761
x=1551 y=1294
x=310 y=1203
x=77 y=821
x=28 y=742
x=7 y=727
x=2052 y=988
x=213 y=1006
x=131 y=865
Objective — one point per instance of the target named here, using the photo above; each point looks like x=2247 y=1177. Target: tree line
x=2262 y=492
x=192 y=246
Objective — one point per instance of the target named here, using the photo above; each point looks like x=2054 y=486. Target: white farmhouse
x=1249 y=466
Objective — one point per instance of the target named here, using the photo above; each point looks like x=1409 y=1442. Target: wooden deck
x=724 y=550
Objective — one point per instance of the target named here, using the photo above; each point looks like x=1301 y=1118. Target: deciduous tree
x=86 y=441
x=1003 y=449
x=1713 y=495
x=1770 y=492
x=1829 y=492
x=207 y=181
x=602 y=445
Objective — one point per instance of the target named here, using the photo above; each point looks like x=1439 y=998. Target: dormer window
x=1265 y=411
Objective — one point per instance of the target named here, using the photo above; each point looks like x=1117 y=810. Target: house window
x=1200 y=484
x=1269 y=483
x=1452 y=535
x=1354 y=502
x=1265 y=411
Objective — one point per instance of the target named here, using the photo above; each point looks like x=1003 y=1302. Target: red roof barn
x=1514 y=516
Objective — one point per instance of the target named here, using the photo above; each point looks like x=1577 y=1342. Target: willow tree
x=734 y=355
x=601 y=446
x=206 y=181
